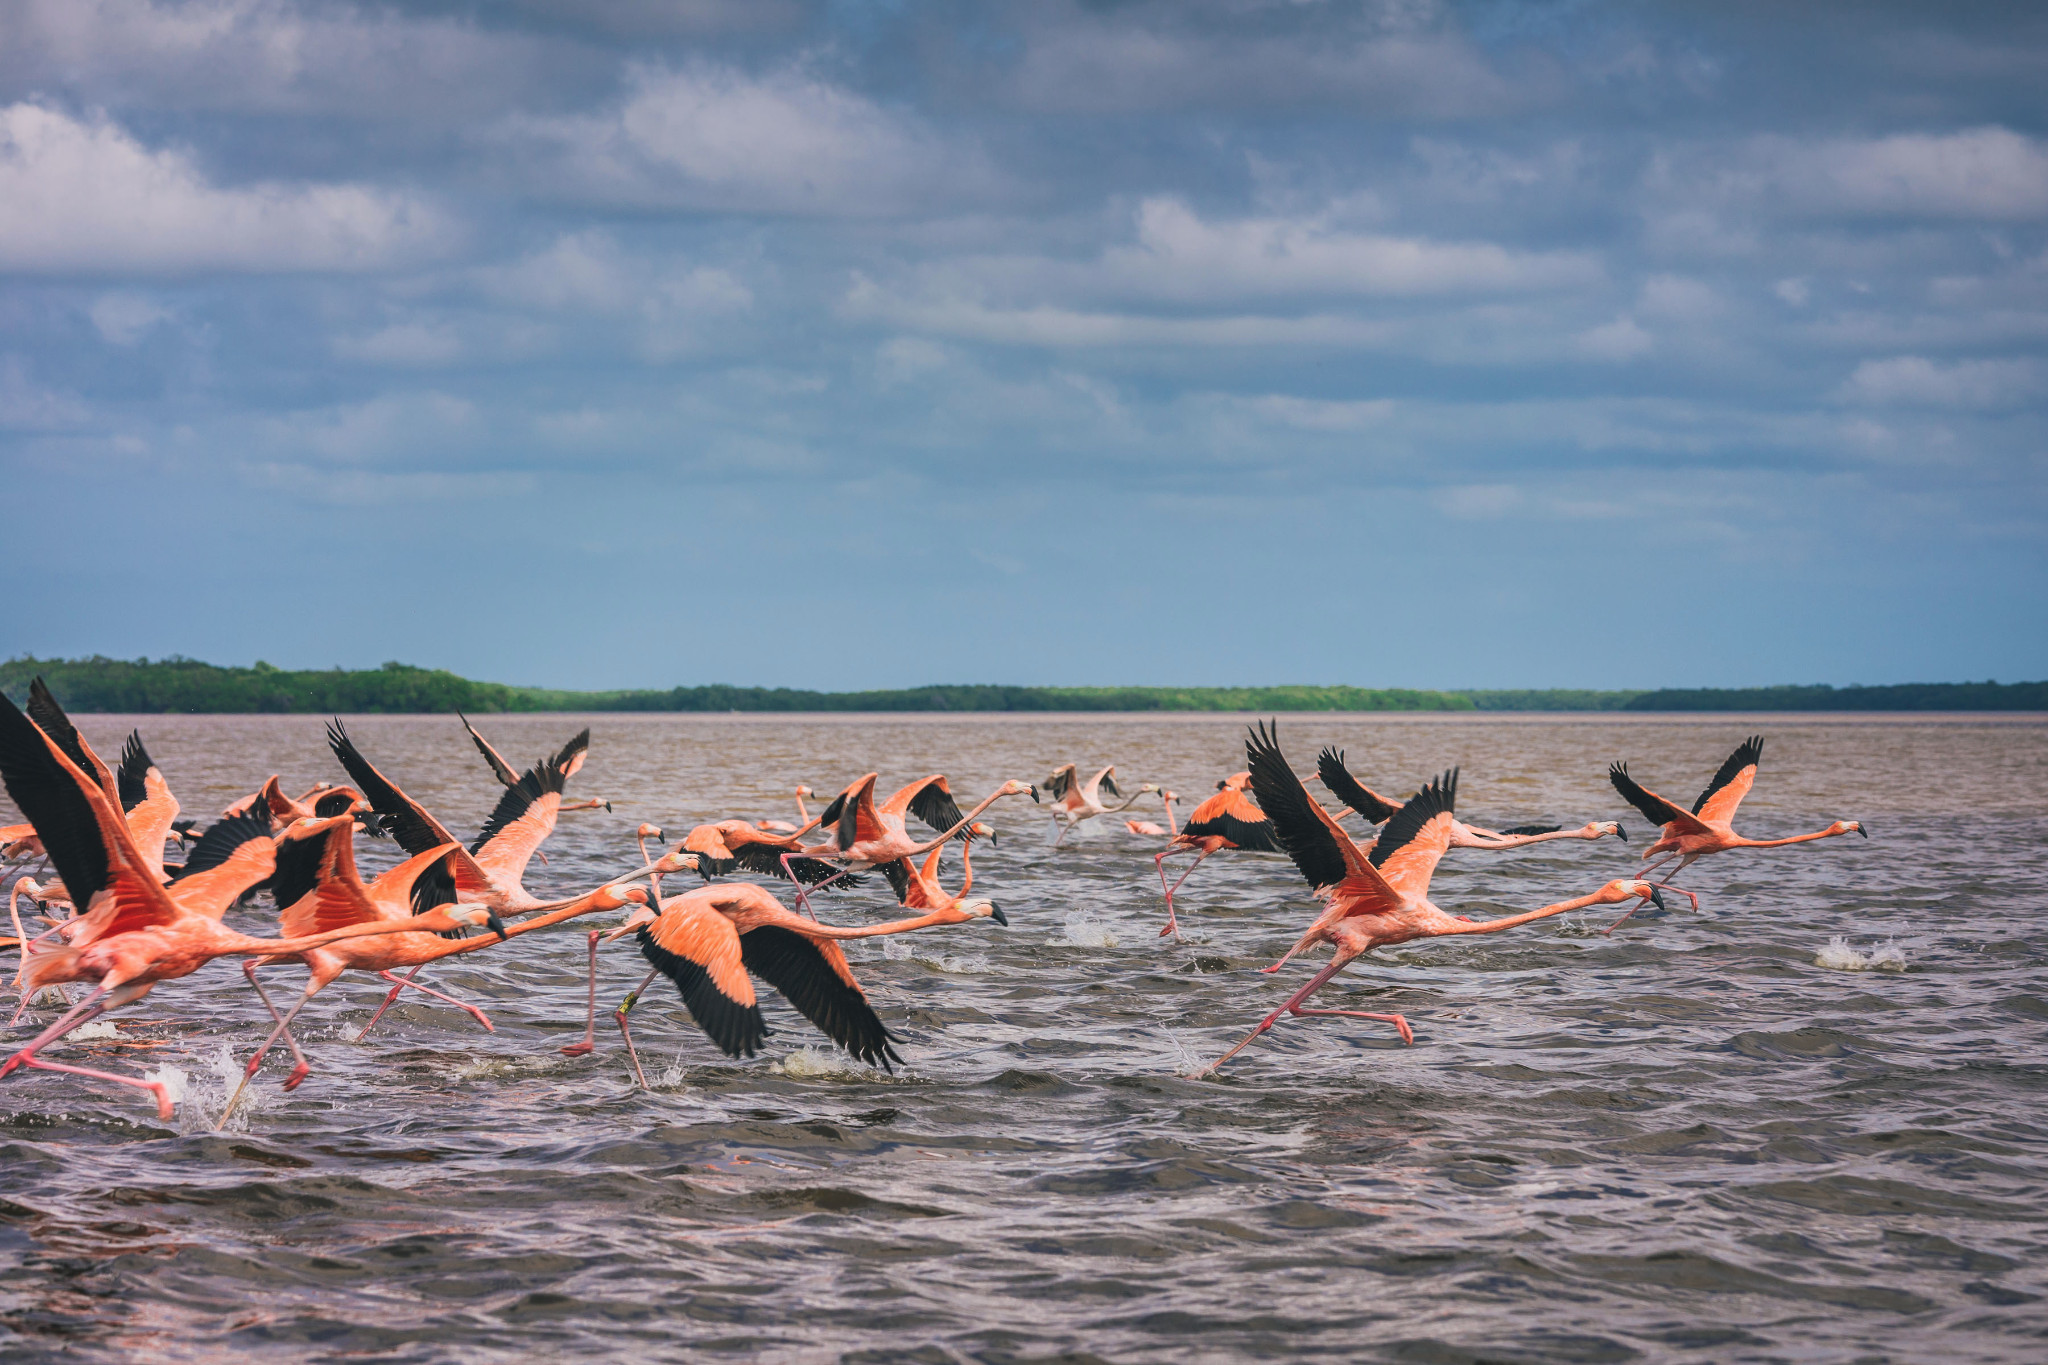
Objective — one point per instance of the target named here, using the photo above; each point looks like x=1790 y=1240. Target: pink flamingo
x=1226 y=820
x=1377 y=810
x=1152 y=830
x=1708 y=827
x=803 y=815
x=1074 y=801
x=1378 y=898
x=867 y=836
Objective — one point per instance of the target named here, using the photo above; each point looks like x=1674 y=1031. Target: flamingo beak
x=991 y=838
x=1621 y=831
x=1862 y=831
x=1657 y=899
x=1034 y=796
x=496 y=926
x=998 y=916
x=607 y=808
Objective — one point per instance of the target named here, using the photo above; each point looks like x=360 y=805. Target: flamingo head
x=980 y=830
x=1235 y=782
x=802 y=790
x=1147 y=788
x=1611 y=827
x=618 y=897
x=1165 y=795
x=1615 y=892
x=675 y=862
x=975 y=907
x=476 y=917
x=1016 y=788
x=648 y=831
x=1844 y=826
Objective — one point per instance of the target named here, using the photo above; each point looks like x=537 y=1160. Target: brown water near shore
x=1690 y=1141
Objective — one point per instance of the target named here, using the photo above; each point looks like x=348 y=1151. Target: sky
x=606 y=343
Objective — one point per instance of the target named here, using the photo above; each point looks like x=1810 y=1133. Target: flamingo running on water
x=134 y=932
x=1709 y=826
x=866 y=836
x=1377 y=810
x=1377 y=897
x=1074 y=801
x=1226 y=820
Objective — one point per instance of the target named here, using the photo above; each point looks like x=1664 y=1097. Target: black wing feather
x=1532 y=829
x=1056 y=786
x=1655 y=809
x=224 y=836
x=1108 y=784
x=766 y=859
x=1346 y=788
x=129 y=778
x=738 y=1030
x=298 y=866
x=931 y=804
x=1750 y=751
x=1300 y=835
x=1246 y=835
x=898 y=872
x=1437 y=798
x=499 y=768
x=404 y=821
x=50 y=800
x=543 y=777
x=51 y=720
x=793 y=965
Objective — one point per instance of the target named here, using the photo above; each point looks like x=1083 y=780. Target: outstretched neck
x=1741 y=842
x=1495 y=925
x=900 y=926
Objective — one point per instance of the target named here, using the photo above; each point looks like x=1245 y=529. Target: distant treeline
x=177 y=684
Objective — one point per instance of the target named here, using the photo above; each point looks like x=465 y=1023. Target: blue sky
x=615 y=342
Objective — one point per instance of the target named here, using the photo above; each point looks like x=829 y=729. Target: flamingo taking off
x=1377 y=810
x=1709 y=826
x=712 y=940
x=570 y=758
x=1074 y=801
x=1151 y=829
x=134 y=931
x=1378 y=897
x=1226 y=820
x=866 y=836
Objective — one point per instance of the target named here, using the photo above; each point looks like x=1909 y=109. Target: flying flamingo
x=1709 y=826
x=491 y=870
x=135 y=931
x=145 y=798
x=1377 y=810
x=571 y=758
x=1378 y=897
x=1226 y=820
x=730 y=844
x=918 y=888
x=1151 y=829
x=803 y=814
x=1074 y=801
x=867 y=836
x=708 y=941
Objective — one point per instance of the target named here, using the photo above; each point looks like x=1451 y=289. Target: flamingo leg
x=84 y=1012
x=803 y=898
x=301 y=1066
x=625 y=1007
x=164 y=1108
x=589 y=1043
x=87 y=1010
x=1172 y=925
x=389 y=1000
x=1293 y=1006
x=1063 y=831
x=407 y=980
x=1665 y=886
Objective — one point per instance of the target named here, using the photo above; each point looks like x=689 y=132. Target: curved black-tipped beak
x=1034 y=796
x=1862 y=831
x=991 y=838
x=496 y=926
x=1657 y=899
x=607 y=808
x=998 y=916
x=1621 y=831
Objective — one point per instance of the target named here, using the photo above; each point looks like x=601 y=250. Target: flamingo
x=803 y=814
x=1378 y=897
x=730 y=844
x=145 y=798
x=867 y=836
x=135 y=931
x=1074 y=801
x=1151 y=829
x=491 y=870
x=1226 y=820
x=571 y=758
x=1709 y=826
x=708 y=941
x=1377 y=810
x=918 y=888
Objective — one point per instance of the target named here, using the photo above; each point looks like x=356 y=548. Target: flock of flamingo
x=118 y=918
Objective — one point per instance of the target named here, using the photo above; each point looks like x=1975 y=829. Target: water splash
x=1083 y=930
x=811 y=1063
x=1840 y=956
x=925 y=954
x=98 y=1028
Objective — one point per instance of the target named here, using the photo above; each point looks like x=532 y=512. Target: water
x=1696 y=1140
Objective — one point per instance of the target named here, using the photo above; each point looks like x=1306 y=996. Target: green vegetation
x=177 y=684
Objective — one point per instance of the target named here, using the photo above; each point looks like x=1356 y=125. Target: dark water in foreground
x=1687 y=1142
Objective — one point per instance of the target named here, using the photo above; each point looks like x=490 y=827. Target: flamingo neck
x=1740 y=842
x=901 y=926
x=1494 y=925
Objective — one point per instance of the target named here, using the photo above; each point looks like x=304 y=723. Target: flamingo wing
x=523 y=819
x=51 y=720
x=813 y=976
x=79 y=823
x=1060 y=783
x=407 y=821
x=698 y=948
x=931 y=801
x=1104 y=781
x=1416 y=838
x=852 y=814
x=231 y=857
x=1328 y=857
x=1231 y=815
x=399 y=888
x=1718 y=802
x=1655 y=808
x=1330 y=768
x=317 y=886
x=900 y=878
x=503 y=771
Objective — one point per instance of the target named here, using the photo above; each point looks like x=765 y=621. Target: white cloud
x=123 y=319
x=407 y=344
x=709 y=136
x=1915 y=381
x=84 y=195
x=1991 y=173
x=1621 y=339
x=28 y=406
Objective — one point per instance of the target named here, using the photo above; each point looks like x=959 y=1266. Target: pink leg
x=164 y=1109
x=407 y=980
x=301 y=1067
x=625 y=1007
x=1293 y=1007
x=803 y=893
x=84 y=1012
x=1662 y=886
x=584 y=1048
x=389 y=1000
x=1400 y=1023
x=1172 y=925
x=87 y=1010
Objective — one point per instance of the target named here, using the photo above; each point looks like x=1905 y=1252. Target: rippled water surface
x=1692 y=1140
